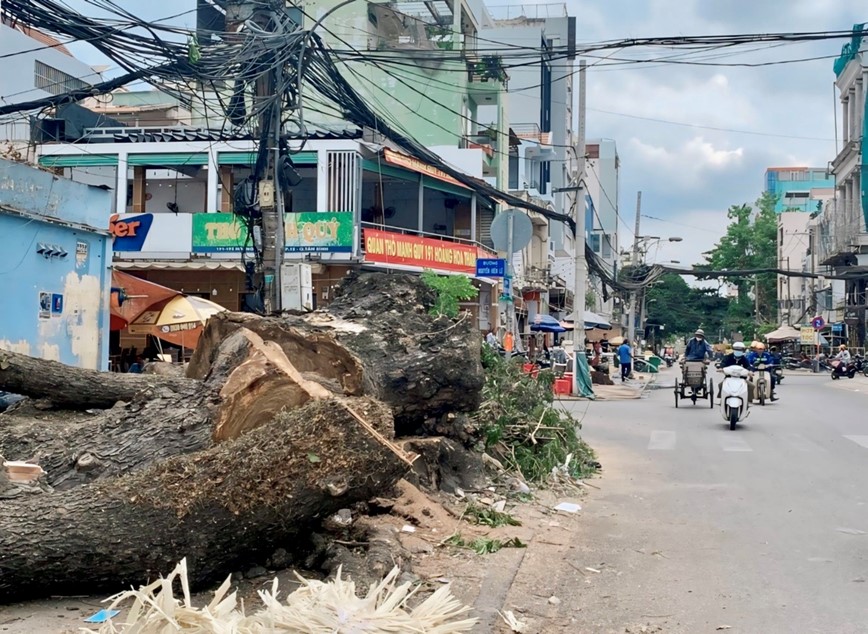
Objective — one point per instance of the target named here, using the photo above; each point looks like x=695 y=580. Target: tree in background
x=750 y=242
x=680 y=309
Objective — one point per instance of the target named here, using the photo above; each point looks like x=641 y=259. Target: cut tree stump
x=67 y=387
x=376 y=338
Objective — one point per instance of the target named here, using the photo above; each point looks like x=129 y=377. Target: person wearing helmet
x=759 y=355
x=698 y=348
x=736 y=357
x=843 y=360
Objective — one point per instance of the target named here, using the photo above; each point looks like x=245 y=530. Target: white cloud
x=688 y=163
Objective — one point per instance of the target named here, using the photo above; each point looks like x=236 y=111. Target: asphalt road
x=697 y=528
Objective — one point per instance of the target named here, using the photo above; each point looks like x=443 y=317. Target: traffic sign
x=490 y=267
x=818 y=322
x=522 y=230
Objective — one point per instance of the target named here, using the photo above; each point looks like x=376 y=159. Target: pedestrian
x=491 y=338
x=625 y=358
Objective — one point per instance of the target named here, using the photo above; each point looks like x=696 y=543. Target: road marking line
x=662 y=441
x=733 y=442
x=859 y=440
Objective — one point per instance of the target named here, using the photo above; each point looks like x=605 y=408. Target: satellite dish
x=522 y=230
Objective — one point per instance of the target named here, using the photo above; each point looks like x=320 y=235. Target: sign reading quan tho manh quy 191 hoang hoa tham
x=328 y=232
x=387 y=247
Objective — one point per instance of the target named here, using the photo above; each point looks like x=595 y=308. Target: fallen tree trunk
x=249 y=383
x=218 y=508
x=67 y=387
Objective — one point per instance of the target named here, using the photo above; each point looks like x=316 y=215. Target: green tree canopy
x=750 y=242
x=672 y=303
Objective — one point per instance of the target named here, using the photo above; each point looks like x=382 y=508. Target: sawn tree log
x=220 y=507
x=67 y=387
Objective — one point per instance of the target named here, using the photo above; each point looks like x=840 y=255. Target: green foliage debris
x=450 y=290
x=524 y=429
x=485 y=545
x=476 y=514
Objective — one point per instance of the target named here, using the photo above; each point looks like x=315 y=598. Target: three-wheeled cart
x=693 y=384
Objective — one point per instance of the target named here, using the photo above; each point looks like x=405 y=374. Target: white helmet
x=738 y=345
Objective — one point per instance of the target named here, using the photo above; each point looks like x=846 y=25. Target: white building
x=602 y=176
x=40 y=66
x=540 y=101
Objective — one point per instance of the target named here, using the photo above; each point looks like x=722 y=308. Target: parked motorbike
x=734 y=401
x=839 y=369
x=861 y=364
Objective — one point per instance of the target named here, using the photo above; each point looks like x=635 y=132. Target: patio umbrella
x=592 y=320
x=131 y=296
x=546 y=323
x=178 y=320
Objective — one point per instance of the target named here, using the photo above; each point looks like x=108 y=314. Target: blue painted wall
x=811 y=178
x=54 y=306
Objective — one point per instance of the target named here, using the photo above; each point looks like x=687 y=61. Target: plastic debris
x=568 y=507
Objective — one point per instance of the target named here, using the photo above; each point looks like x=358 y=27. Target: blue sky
x=689 y=174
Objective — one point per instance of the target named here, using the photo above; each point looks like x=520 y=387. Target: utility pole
x=270 y=241
x=580 y=273
x=634 y=261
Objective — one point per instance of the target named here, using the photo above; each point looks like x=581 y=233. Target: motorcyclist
x=758 y=355
x=843 y=359
x=736 y=357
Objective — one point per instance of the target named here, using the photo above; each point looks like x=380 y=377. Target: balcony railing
x=839 y=230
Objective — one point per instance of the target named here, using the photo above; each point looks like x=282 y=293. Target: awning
x=408 y=162
x=209 y=265
x=784 y=333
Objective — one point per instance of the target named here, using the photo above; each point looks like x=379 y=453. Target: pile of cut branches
x=523 y=426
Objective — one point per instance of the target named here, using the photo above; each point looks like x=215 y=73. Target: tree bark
x=67 y=387
x=377 y=338
x=221 y=508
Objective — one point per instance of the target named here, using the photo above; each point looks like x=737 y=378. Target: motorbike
x=861 y=364
x=840 y=368
x=763 y=383
x=778 y=373
x=734 y=401
x=668 y=359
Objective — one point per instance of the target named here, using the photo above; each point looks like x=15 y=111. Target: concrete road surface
x=697 y=528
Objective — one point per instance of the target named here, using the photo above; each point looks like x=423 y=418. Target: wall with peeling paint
x=55 y=259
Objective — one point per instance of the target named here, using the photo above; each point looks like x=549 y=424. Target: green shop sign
x=308 y=232
x=312 y=232
x=219 y=233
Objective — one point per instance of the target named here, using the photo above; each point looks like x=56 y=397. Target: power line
x=707 y=127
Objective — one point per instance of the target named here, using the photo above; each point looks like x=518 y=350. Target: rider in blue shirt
x=759 y=355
